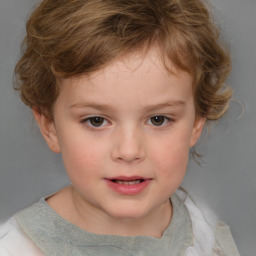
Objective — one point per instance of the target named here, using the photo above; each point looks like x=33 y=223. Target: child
x=122 y=89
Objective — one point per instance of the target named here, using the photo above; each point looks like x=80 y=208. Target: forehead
x=136 y=73
x=133 y=63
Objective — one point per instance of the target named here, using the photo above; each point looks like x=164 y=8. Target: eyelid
x=168 y=119
x=87 y=119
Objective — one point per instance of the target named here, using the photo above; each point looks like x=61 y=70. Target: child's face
x=124 y=134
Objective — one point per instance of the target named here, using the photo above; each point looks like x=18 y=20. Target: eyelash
x=166 y=120
x=88 y=121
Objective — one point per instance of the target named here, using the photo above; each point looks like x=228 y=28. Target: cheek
x=172 y=156
x=81 y=159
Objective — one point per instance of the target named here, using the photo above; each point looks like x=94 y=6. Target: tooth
x=133 y=182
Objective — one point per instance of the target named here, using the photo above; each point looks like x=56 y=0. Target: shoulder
x=224 y=240
x=210 y=236
x=13 y=241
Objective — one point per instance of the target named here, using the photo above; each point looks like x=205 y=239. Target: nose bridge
x=129 y=144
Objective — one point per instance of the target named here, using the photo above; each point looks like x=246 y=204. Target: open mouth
x=128 y=182
x=128 y=185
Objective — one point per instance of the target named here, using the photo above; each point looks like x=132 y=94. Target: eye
x=96 y=121
x=159 y=120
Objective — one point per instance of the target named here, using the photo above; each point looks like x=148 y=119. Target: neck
x=92 y=219
x=152 y=224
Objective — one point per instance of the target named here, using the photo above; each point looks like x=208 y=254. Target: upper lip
x=128 y=178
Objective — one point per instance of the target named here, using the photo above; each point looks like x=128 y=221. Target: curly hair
x=68 y=38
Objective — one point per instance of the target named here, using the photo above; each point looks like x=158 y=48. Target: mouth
x=125 y=182
x=128 y=185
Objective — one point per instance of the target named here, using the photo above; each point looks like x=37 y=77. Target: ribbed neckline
x=44 y=226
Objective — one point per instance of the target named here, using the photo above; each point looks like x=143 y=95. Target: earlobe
x=197 y=130
x=48 y=130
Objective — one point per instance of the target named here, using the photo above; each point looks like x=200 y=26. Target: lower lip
x=128 y=189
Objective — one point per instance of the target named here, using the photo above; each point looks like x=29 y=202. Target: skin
x=147 y=125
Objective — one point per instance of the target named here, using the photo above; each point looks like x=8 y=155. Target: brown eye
x=159 y=120
x=96 y=121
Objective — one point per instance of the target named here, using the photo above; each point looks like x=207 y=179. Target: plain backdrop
x=226 y=180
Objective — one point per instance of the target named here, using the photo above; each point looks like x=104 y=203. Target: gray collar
x=56 y=236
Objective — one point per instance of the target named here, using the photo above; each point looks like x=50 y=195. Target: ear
x=48 y=130
x=197 y=130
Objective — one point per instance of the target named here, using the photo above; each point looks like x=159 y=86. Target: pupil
x=157 y=120
x=96 y=121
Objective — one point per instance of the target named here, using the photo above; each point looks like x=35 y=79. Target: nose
x=128 y=145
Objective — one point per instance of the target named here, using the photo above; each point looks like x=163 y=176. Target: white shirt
x=14 y=242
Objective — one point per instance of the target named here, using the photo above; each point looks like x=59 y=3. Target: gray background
x=226 y=180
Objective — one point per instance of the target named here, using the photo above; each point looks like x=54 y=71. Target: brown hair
x=68 y=38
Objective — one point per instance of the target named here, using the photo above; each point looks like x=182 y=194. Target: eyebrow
x=172 y=103
x=90 y=105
